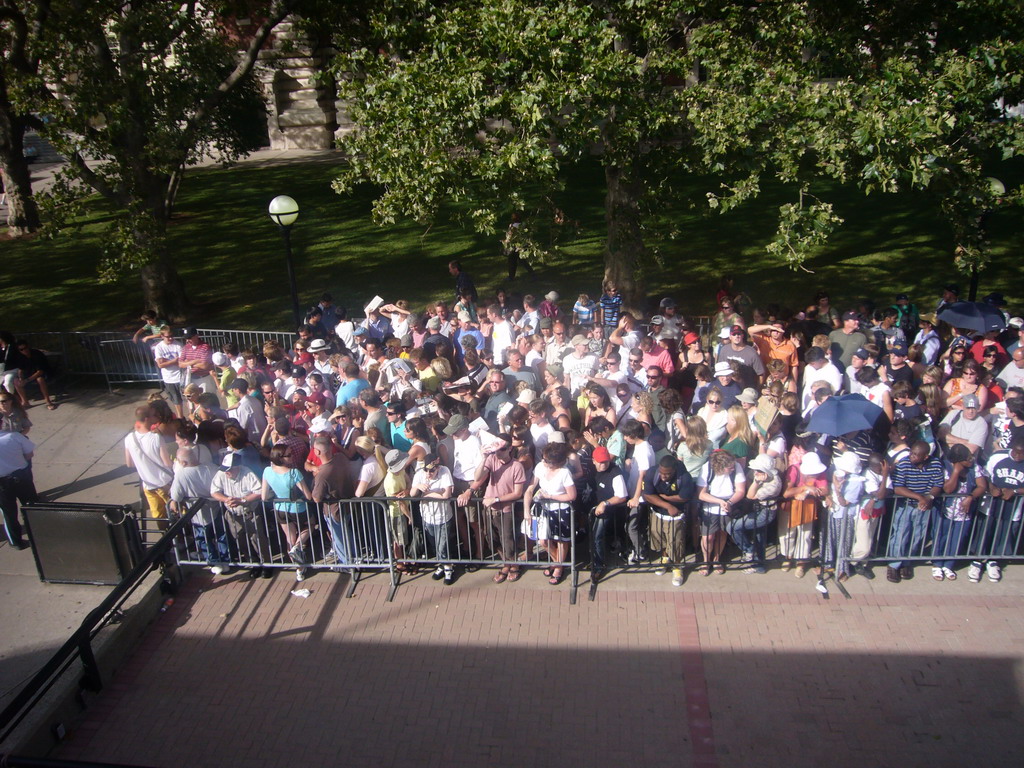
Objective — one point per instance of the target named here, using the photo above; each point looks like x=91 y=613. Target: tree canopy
x=481 y=105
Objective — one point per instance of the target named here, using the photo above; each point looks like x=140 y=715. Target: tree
x=15 y=34
x=132 y=93
x=483 y=105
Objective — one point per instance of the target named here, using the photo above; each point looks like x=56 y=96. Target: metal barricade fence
x=126 y=362
x=396 y=535
x=954 y=529
x=216 y=337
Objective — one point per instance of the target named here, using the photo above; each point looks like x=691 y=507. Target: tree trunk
x=624 y=254
x=22 y=212
x=164 y=291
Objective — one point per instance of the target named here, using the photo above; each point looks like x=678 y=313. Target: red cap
x=737 y=329
x=601 y=454
x=689 y=338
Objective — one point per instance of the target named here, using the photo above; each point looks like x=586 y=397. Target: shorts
x=669 y=536
x=711 y=523
x=173 y=392
x=300 y=516
x=472 y=510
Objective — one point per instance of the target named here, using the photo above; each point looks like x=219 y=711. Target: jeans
x=212 y=541
x=438 y=536
x=948 y=538
x=750 y=532
x=15 y=487
x=999 y=534
x=600 y=527
x=635 y=525
x=909 y=530
x=342 y=535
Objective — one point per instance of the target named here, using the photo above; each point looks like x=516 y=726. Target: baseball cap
x=657 y=320
x=723 y=369
x=545 y=322
x=579 y=338
x=862 y=353
x=601 y=454
x=952 y=288
x=465 y=317
x=902 y=297
x=230 y=461
x=220 y=359
x=899 y=349
x=456 y=423
x=298 y=370
x=850 y=315
x=189 y=332
x=970 y=401
x=737 y=329
x=724 y=333
x=1015 y=322
x=238 y=384
x=316 y=397
x=667 y=303
x=551 y=296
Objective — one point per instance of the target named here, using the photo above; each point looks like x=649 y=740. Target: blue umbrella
x=973 y=315
x=844 y=414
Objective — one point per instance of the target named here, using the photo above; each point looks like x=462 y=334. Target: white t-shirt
x=578 y=369
x=721 y=486
x=145 y=453
x=467 y=456
x=643 y=459
x=553 y=482
x=502 y=337
x=168 y=351
x=435 y=512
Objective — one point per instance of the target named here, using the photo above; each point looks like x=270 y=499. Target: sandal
x=500 y=576
x=51 y=406
x=719 y=568
x=549 y=572
x=704 y=570
x=514 y=574
x=556 y=577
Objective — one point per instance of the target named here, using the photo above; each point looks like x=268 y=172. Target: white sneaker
x=217 y=570
x=661 y=569
x=974 y=573
x=993 y=571
x=300 y=574
x=677 y=577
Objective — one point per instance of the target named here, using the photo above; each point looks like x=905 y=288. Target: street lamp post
x=283 y=212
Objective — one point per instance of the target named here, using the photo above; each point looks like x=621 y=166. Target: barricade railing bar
x=396 y=535
x=953 y=529
x=79 y=645
x=400 y=536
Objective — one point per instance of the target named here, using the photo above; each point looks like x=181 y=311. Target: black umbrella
x=973 y=315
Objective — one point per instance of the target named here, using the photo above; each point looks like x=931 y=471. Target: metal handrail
x=79 y=645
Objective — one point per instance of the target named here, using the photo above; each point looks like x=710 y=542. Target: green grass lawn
x=232 y=258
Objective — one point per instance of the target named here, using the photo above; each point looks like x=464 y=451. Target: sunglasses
x=714 y=402
x=391 y=413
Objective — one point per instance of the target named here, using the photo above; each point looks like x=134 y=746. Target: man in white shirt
x=1013 y=374
x=142 y=451
x=238 y=489
x=928 y=339
x=467 y=455
x=579 y=366
x=249 y=412
x=642 y=460
x=166 y=353
x=819 y=369
x=625 y=337
x=193 y=481
x=434 y=481
x=502 y=334
x=15 y=482
x=964 y=427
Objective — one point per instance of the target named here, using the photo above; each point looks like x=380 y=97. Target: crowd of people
x=503 y=429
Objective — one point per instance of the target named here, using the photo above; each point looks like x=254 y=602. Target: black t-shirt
x=908 y=412
x=682 y=485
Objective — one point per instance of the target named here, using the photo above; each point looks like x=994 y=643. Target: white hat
x=724 y=333
x=848 y=462
x=526 y=397
x=723 y=369
x=318 y=345
x=465 y=317
x=748 y=395
x=551 y=296
x=1016 y=322
x=810 y=464
x=220 y=359
x=763 y=463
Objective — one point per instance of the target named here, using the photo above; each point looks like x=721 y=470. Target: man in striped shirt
x=610 y=306
x=916 y=481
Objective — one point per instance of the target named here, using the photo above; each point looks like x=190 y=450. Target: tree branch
x=278 y=11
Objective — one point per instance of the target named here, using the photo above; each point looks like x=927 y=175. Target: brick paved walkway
x=241 y=673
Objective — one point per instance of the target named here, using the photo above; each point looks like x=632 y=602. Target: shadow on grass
x=232 y=257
